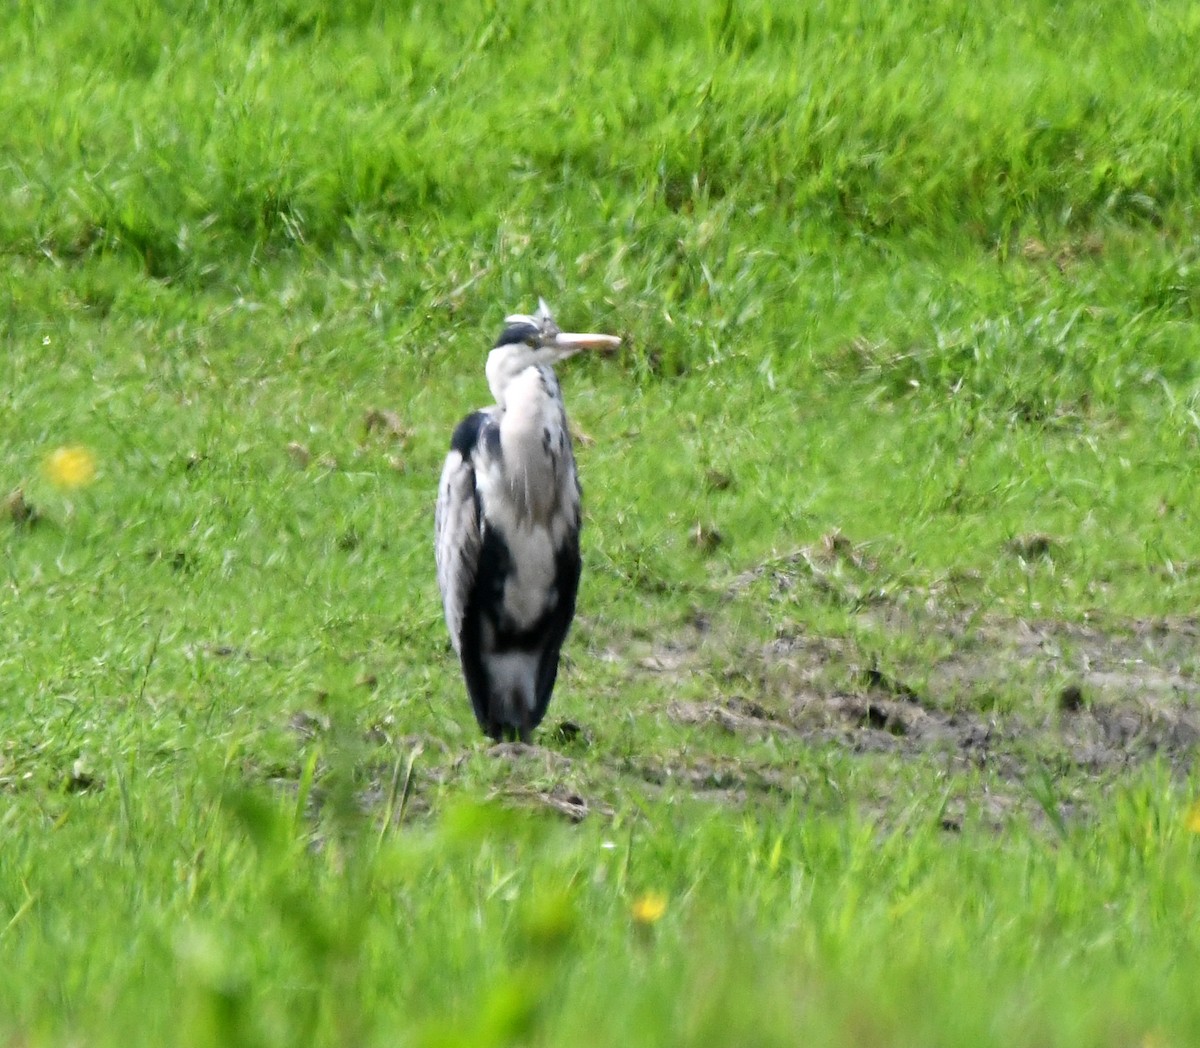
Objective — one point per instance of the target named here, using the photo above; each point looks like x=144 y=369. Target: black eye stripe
x=520 y=332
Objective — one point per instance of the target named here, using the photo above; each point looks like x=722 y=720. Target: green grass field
x=877 y=723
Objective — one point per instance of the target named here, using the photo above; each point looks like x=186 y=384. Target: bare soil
x=1036 y=718
x=1019 y=703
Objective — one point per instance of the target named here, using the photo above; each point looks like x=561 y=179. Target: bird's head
x=528 y=341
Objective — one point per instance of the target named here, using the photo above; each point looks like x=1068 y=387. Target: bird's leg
x=525 y=729
x=503 y=732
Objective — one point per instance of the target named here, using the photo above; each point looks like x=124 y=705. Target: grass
x=883 y=687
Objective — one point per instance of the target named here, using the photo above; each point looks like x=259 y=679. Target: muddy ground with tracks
x=1011 y=717
x=1095 y=703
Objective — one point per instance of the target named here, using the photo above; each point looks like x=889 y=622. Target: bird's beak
x=573 y=342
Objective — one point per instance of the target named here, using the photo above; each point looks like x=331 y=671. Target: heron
x=506 y=528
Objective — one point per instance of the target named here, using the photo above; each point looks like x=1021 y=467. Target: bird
x=506 y=528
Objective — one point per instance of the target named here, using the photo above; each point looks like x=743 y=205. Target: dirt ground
x=1014 y=718
x=1019 y=702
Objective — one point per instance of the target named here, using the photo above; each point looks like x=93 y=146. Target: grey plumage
x=507 y=528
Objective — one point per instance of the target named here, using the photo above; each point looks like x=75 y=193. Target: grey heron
x=507 y=528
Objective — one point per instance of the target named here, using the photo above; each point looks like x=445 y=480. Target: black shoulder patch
x=520 y=332
x=466 y=433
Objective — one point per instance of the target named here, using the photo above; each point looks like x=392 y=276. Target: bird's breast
x=528 y=497
x=528 y=587
x=537 y=462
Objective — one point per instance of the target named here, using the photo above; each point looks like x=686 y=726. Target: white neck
x=505 y=363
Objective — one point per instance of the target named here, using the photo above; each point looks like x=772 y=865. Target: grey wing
x=456 y=539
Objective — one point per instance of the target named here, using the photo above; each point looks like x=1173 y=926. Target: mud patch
x=736 y=716
x=1018 y=715
x=713 y=778
x=1153 y=662
x=528 y=753
x=1093 y=739
x=560 y=799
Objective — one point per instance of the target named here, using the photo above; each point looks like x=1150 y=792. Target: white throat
x=505 y=363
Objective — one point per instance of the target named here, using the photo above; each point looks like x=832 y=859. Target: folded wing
x=457 y=533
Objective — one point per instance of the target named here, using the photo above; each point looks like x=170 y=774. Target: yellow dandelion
x=1192 y=822
x=649 y=908
x=71 y=467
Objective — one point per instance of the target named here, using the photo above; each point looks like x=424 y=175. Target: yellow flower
x=649 y=907
x=1192 y=821
x=71 y=467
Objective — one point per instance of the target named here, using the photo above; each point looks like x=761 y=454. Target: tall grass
x=201 y=130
